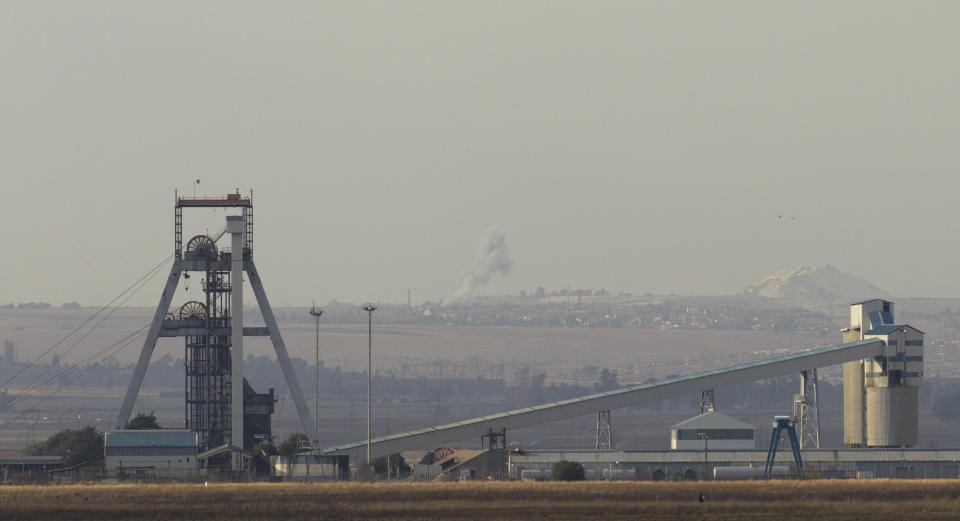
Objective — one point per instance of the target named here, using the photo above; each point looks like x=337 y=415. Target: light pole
x=369 y=308
x=706 y=438
x=316 y=313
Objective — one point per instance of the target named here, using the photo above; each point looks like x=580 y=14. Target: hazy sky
x=637 y=146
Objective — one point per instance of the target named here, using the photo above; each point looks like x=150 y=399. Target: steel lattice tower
x=707 y=401
x=213 y=331
x=604 y=431
x=208 y=378
x=806 y=411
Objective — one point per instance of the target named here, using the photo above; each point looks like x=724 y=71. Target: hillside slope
x=815 y=285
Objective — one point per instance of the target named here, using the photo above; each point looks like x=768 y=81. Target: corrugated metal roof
x=8 y=460
x=886 y=329
x=712 y=420
x=226 y=447
x=869 y=300
x=878 y=318
x=151 y=438
x=734 y=455
x=883 y=329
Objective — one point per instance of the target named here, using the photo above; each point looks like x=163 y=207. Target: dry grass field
x=843 y=500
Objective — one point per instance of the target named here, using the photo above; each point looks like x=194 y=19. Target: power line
x=130 y=294
x=85 y=322
x=129 y=339
x=36 y=386
x=103 y=354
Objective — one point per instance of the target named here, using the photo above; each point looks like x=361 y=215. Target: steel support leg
x=781 y=424
x=772 y=451
x=707 y=401
x=604 y=431
x=148 y=345
x=806 y=411
x=811 y=420
x=796 y=451
x=306 y=419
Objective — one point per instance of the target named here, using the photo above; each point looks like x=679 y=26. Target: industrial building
x=14 y=465
x=150 y=454
x=690 y=464
x=883 y=368
x=803 y=362
x=713 y=430
x=880 y=392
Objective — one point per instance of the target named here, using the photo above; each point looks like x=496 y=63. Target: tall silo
x=880 y=393
x=854 y=396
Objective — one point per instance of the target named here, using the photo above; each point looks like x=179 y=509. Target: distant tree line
x=40 y=305
x=76 y=445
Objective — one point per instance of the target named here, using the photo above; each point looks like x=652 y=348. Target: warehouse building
x=150 y=454
x=712 y=430
x=656 y=465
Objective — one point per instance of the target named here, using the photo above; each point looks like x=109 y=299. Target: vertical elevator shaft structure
x=880 y=394
x=220 y=405
x=206 y=349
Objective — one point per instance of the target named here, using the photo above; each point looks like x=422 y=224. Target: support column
x=235 y=227
x=148 y=344
x=781 y=425
x=604 y=431
x=306 y=419
x=707 y=401
x=854 y=397
x=806 y=411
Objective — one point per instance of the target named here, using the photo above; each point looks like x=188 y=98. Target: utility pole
x=369 y=308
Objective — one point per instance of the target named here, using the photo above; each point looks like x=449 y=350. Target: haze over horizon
x=678 y=147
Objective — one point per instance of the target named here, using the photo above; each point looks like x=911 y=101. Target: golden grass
x=876 y=499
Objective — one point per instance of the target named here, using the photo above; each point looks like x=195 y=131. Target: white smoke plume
x=493 y=258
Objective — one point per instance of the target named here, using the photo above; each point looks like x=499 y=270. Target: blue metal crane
x=781 y=424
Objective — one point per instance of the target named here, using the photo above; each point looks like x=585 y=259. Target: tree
x=143 y=422
x=76 y=445
x=396 y=462
x=530 y=382
x=266 y=448
x=261 y=457
x=566 y=470
x=608 y=381
x=289 y=446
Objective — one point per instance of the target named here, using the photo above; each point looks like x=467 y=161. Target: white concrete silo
x=881 y=393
